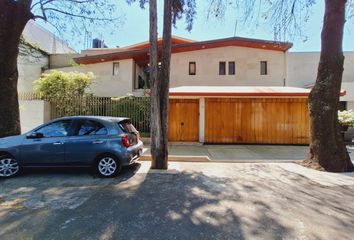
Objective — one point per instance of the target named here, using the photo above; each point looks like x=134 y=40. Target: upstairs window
x=222 y=68
x=264 y=68
x=192 y=68
x=115 y=69
x=231 y=68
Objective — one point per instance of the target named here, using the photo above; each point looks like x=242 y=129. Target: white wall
x=46 y=40
x=30 y=64
x=302 y=70
x=105 y=84
x=247 y=67
x=33 y=113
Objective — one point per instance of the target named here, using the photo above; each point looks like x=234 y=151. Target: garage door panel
x=183 y=120
x=264 y=121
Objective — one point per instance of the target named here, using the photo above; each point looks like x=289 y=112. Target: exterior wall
x=47 y=41
x=62 y=60
x=33 y=113
x=31 y=64
x=302 y=70
x=247 y=67
x=105 y=84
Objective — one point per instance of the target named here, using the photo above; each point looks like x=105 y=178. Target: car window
x=89 y=127
x=56 y=129
x=127 y=127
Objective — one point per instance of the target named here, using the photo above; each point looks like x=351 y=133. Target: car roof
x=102 y=118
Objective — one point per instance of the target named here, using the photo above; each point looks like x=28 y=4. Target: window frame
x=222 y=63
x=234 y=68
x=114 y=73
x=264 y=71
x=190 y=68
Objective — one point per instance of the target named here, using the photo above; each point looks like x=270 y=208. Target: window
x=56 y=129
x=222 y=68
x=231 y=68
x=192 y=68
x=115 y=69
x=264 y=68
x=89 y=127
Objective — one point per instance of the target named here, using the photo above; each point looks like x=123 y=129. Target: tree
x=327 y=149
x=160 y=79
x=66 y=15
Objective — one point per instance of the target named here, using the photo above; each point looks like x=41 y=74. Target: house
x=222 y=62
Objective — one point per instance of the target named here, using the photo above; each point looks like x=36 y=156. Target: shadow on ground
x=251 y=201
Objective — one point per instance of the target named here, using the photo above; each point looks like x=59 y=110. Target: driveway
x=235 y=153
x=189 y=201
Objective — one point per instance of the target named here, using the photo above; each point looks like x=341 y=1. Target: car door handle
x=97 y=142
x=58 y=143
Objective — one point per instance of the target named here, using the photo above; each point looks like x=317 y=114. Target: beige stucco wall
x=33 y=113
x=105 y=84
x=62 y=60
x=247 y=67
x=302 y=70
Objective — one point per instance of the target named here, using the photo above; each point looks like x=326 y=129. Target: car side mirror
x=35 y=135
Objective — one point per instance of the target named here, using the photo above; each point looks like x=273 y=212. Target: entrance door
x=183 y=120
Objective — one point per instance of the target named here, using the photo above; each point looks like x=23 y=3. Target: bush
x=58 y=85
x=346 y=118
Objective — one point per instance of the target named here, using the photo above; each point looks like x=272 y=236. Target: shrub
x=346 y=118
x=58 y=85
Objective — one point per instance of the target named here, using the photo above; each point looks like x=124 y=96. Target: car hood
x=11 y=141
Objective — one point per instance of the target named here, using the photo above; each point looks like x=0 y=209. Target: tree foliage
x=179 y=8
x=63 y=85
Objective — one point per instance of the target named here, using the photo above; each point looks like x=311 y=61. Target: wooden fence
x=136 y=108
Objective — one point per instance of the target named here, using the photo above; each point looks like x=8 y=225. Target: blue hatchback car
x=105 y=143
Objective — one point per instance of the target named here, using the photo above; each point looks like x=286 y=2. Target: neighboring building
x=223 y=62
x=34 y=54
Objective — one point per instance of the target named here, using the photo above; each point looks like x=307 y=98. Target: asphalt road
x=191 y=201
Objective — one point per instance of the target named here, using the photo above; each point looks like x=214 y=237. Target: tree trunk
x=13 y=18
x=327 y=148
x=155 y=123
x=160 y=87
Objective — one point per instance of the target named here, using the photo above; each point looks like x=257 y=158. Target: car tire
x=9 y=166
x=108 y=166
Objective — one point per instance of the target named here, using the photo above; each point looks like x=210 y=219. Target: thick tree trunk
x=327 y=148
x=13 y=18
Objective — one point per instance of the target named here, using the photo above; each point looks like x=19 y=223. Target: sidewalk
x=233 y=153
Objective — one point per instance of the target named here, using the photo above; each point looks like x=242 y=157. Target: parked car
x=105 y=143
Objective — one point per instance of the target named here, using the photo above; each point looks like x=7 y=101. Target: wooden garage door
x=264 y=121
x=183 y=120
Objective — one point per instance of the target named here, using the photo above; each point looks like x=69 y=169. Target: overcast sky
x=135 y=28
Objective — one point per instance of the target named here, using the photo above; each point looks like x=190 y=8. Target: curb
x=178 y=158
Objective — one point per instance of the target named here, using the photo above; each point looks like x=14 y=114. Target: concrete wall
x=31 y=64
x=46 y=40
x=247 y=67
x=33 y=113
x=105 y=84
x=302 y=70
x=62 y=60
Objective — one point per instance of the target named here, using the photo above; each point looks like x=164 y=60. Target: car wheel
x=9 y=167
x=108 y=166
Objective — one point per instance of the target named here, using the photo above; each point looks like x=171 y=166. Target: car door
x=49 y=149
x=89 y=139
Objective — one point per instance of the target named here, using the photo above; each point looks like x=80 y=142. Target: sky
x=134 y=28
